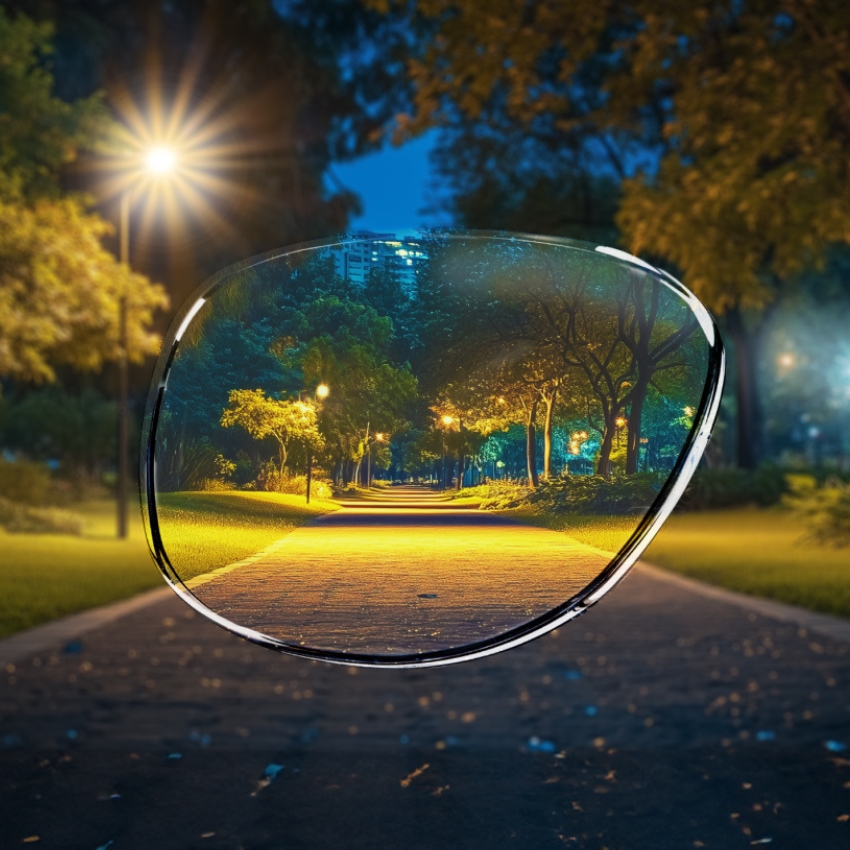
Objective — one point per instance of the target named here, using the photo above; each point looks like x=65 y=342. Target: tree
x=59 y=288
x=284 y=420
x=727 y=122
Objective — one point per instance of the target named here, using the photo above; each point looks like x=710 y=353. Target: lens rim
x=577 y=604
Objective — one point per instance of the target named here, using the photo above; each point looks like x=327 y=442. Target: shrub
x=19 y=519
x=272 y=481
x=594 y=494
x=732 y=488
x=825 y=509
x=24 y=483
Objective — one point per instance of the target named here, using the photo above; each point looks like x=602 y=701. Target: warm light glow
x=620 y=421
x=689 y=411
x=161 y=160
x=447 y=420
x=323 y=391
x=786 y=360
x=500 y=400
x=379 y=437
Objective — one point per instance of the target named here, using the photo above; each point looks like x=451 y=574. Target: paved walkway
x=403 y=572
x=663 y=718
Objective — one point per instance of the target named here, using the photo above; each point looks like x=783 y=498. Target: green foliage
x=711 y=489
x=283 y=420
x=59 y=288
x=39 y=133
x=825 y=509
x=186 y=464
x=587 y=495
x=50 y=423
x=597 y=495
x=24 y=483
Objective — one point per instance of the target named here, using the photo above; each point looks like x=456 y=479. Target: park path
x=663 y=719
x=404 y=571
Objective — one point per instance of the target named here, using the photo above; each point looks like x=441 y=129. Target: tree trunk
x=282 y=454
x=547 y=434
x=634 y=433
x=604 y=465
x=531 y=445
x=748 y=418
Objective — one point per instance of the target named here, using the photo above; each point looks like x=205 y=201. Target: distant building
x=367 y=250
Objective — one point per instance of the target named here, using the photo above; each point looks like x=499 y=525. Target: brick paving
x=402 y=573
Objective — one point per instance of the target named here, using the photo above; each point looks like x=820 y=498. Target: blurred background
x=146 y=145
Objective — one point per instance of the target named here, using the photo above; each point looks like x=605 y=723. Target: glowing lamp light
x=161 y=160
x=323 y=391
x=380 y=437
x=786 y=360
x=620 y=422
x=447 y=420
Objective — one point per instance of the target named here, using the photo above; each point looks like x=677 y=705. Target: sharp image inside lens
x=404 y=447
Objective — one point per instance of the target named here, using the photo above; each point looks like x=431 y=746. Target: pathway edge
x=836 y=628
x=58 y=632
x=53 y=634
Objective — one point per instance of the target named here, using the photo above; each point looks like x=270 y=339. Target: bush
x=24 y=483
x=272 y=481
x=596 y=495
x=824 y=509
x=25 y=519
x=732 y=488
x=579 y=494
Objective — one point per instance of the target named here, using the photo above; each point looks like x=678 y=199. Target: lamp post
x=160 y=161
x=370 y=441
x=322 y=392
x=447 y=421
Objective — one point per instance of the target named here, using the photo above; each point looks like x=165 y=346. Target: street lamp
x=322 y=392
x=159 y=160
x=447 y=421
x=377 y=438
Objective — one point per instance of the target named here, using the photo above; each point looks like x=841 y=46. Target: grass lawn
x=204 y=531
x=758 y=552
x=45 y=576
x=749 y=550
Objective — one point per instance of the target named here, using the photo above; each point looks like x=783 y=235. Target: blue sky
x=392 y=185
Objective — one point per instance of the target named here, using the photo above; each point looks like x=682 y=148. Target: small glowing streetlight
x=786 y=360
x=620 y=421
x=161 y=160
x=447 y=420
x=379 y=437
x=323 y=391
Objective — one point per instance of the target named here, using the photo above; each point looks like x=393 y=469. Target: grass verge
x=204 y=531
x=757 y=552
x=46 y=576
x=751 y=550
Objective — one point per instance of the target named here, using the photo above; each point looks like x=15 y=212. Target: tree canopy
x=60 y=288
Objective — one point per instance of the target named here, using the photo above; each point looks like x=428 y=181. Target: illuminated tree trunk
x=531 y=444
x=550 y=400
x=604 y=465
x=634 y=434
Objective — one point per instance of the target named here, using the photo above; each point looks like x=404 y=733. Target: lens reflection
x=402 y=446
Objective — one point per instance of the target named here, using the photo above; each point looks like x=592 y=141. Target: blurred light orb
x=786 y=360
x=323 y=391
x=161 y=160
